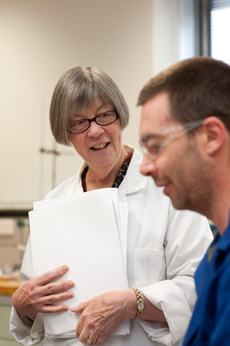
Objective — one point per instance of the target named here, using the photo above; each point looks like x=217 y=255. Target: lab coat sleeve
x=23 y=333
x=187 y=239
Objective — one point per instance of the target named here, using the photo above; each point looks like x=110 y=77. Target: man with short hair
x=185 y=137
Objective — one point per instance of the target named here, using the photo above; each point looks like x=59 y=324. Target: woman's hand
x=101 y=315
x=40 y=293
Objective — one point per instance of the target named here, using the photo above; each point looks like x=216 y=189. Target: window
x=220 y=28
x=204 y=28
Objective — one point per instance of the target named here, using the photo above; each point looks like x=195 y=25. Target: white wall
x=41 y=39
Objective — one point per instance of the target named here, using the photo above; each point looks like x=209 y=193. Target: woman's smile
x=99 y=147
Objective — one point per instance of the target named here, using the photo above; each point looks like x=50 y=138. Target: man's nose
x=148 y=166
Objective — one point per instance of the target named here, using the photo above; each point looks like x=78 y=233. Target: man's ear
x=214 y=134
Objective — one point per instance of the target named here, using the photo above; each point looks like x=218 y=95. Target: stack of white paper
x=82 y=232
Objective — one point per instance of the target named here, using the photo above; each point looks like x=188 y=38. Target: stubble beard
x=192 y=183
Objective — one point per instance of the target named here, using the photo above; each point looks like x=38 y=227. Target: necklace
x=120 y=175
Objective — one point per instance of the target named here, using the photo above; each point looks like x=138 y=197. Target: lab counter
x=8 y=286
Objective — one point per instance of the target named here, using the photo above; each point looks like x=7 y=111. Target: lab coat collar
x=133 y=180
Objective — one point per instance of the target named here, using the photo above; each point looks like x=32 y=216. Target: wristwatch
x=140 y=304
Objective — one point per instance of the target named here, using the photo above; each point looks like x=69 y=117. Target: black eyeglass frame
x=89 y=121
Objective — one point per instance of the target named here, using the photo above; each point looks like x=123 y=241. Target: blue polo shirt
x=210 y=323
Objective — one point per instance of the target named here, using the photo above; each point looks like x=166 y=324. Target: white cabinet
x=7 y=343
x=6 y=339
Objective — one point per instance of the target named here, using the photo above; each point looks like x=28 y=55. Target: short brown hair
x=78 y=89
x=197 y=88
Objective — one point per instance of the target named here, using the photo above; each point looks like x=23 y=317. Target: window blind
x=204 y=28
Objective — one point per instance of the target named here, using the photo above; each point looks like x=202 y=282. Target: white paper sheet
x=82 y=232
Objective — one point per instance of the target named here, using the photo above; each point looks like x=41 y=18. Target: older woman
x=163 y=245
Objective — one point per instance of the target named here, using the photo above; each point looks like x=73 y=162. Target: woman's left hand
x=101 y=315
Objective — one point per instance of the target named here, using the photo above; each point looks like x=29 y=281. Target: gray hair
x=78 y=89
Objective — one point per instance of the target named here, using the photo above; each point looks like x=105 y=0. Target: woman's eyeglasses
x=103 y=119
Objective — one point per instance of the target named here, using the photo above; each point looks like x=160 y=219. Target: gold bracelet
x=140 y=304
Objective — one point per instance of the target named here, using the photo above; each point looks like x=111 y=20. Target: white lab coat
x=164 y=247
